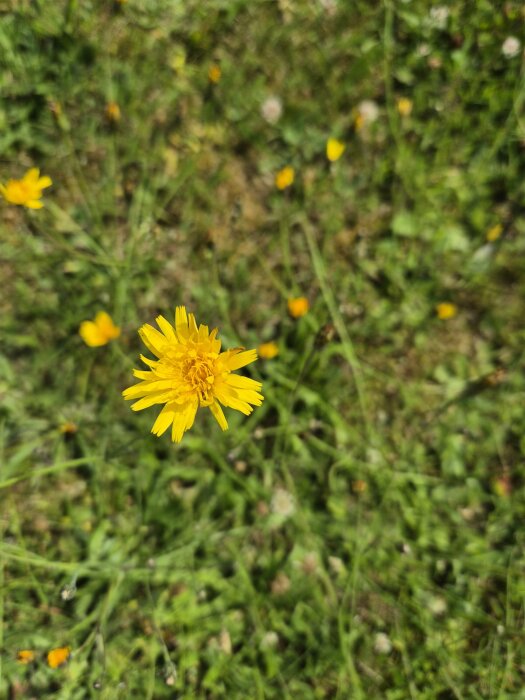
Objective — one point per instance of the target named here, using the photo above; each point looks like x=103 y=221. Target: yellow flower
x=68 y=428
x=446 y=310
x=25 y=656
x=267 y=351
x=494 y=233
x=285 y=177
x=100 y=331
x=113 y=113
x=404 y=106
x=58 y=657
x=27 y=191
x=214 y=73
x=191 y=373
x=298 y=307
x=334 y=149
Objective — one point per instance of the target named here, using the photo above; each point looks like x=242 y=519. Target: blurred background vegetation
x=361 y=534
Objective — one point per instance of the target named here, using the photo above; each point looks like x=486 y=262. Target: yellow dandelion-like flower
x=214 y=73
x=404 y=106
x=267 y=351
x=494 y=233
x=27 y=191
x=58 y=657
x=298 y=307
x=100 y=331
x=113 y=113
x=334 y=149
x=191 y=373
x=285 y=178
x=25 y=656
x=446 y=310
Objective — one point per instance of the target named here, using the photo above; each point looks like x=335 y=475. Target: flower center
x=198 y=372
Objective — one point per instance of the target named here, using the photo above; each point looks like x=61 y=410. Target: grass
x=392 y=565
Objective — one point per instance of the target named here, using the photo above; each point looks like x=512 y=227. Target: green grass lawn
x=360 y=535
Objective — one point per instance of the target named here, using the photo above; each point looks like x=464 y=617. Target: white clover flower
x=382 y=643
x=269 y=641
x=283 y=503
x=438 y=17
x=272 y=109
x=368 y=111
x=511 y=47
x=329 y=6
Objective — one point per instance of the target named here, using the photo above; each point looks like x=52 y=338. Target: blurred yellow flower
x=446 y=310
x=334 y=149
x=100 y=331
x=191 y=373
x=68 y=428
x=58 y=657
x=214 y=73
x=298 y=307
x=494 y=233
x=113 y=113
x=25 y=656
x=267 y=351
x=404 y=106
x=285 y=177
x=27 y=191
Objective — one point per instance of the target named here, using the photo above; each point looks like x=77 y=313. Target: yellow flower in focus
x=191 y=373
x=494 y=233
x=25 y=656
x=113 y=113
x=404 y=106
x=285 y=178
x=214 y=73
x=58 y=657
x=446 y=310
x=267 y=351
x=27 y=191
x=298 y=307
x=100 y=331
x=334 y=149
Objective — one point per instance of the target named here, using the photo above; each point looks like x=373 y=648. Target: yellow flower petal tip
x=58 y=657
x=334 y=149
x=190 y=373
x=214 y=73
x=100 y=331
x=298 y=307
x=25 y=656
x=404 y=106
x=446 y=310
x=113 y=113
x=267 y=351
x=285 y=177
x=27 y=191
x=494 y=233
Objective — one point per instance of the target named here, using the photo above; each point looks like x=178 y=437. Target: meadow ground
x=360 y=535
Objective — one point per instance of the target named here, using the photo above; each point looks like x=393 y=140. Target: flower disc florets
x=190 y=373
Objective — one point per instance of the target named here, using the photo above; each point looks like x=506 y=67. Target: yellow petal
x=183 y=420
x=234 y=359
x=91 y=335
x=32 y=175
x=152 y=339
x=166 y=327
x=34 y=204
x=44 y=182
x=107 y=328
x=164 y=419
x=219 y=415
